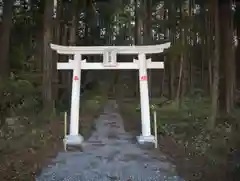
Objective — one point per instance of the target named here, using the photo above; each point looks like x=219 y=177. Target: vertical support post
x=155 y=127
x=144 y=98
x=74 y=137
x=65 y=130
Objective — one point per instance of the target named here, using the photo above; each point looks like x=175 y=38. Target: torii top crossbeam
x=87 y=50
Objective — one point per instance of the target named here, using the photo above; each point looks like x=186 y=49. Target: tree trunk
x=184 y=78
x=171 y=59
x=138 y=38
x=56 y=57
x=138 y=23
x=47 y=57
x=237 y=53
x=172 y=78
x=179 y=88
x=183 y=57
x=5 y=33
x=147 y=35
x=72 y=37
x=148 y=22
x=208 y=49
x=227 y=62
x=215 y=64
x=74 y=23
x=229 y=57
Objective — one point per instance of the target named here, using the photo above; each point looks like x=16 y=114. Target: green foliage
x=18 y=95
x=187 y=125
x=192 y=110
x=94 y=103
x=97 y=94
x=90 y=109
x=18 y=57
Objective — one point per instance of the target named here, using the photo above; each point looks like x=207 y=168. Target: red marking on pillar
x=76 y=78
x=143 y=78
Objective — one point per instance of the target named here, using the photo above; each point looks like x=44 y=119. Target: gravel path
x=110 y=154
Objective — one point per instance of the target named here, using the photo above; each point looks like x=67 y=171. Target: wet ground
x=110 y=154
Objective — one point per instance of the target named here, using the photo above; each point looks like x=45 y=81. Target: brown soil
x=25 y=161
x=190 y=166
x=22 y=162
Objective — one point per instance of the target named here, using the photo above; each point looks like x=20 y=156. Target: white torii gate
x=109 y=62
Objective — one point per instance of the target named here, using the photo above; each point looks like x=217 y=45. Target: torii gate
x=109 y=62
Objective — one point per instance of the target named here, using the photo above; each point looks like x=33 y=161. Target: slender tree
x=5 y=33
x=215 y=64
x=47 y=56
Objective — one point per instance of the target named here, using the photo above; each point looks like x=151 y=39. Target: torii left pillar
x=74 y=138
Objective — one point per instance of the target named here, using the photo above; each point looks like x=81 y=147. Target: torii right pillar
x=146 y=136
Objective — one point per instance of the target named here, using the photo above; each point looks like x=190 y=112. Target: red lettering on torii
x=75 y=78
x=144 y=78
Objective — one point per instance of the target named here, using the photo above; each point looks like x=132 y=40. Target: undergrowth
x=18 y=96
x=187 y=125
x=26 y=139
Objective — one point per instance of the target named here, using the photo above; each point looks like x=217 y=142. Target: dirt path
x=109 y=154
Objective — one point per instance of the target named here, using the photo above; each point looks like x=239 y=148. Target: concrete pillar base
x=73 y=140
x=145 y=139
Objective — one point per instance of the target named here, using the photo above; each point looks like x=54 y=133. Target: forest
x=196 y=95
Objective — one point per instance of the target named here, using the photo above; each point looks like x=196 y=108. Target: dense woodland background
x=199 y=89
